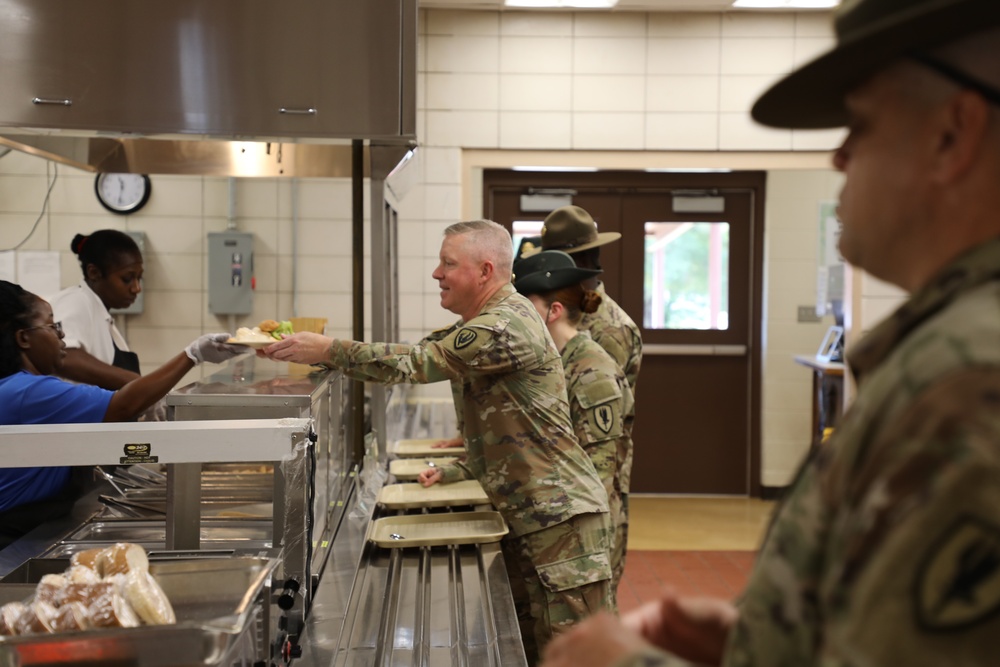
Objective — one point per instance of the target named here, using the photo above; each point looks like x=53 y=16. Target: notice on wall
x=8 y=266
x=829 y=235
x=38 y=272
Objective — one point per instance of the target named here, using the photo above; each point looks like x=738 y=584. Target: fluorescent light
x=550 y=168
x=786 y=4
x=686 y=170
x=577 y=4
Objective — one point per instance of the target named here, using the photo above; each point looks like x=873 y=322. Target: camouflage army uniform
x=507 y=377
x=887 y=549
x=602 y=410
x=614 y=330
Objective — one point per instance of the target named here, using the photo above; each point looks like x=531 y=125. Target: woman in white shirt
x=96 y=352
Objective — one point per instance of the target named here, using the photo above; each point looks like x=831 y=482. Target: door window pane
x=686 y=282
x=523 y=229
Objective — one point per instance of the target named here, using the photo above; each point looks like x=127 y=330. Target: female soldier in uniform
x=600 y=401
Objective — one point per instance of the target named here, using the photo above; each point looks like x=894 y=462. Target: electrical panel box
x=136 y=307
x=230 y=273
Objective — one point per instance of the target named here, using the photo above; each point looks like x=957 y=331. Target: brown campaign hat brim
x=603 y=238
x=812 y=97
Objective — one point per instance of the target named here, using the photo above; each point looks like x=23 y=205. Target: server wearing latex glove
x=31 y=353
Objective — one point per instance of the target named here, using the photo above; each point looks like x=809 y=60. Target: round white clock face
x=122 y=193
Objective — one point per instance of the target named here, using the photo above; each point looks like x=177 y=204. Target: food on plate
x=267 y=331
x=275 y=329
x=119 y=592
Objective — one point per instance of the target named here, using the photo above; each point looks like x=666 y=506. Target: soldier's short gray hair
x=490 y=241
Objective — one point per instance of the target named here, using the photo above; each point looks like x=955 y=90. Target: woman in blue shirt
x=31 y=352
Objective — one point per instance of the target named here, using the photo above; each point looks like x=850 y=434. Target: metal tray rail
x=414 y=606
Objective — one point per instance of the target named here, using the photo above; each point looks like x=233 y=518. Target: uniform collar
x=972 y=269
x=97 y=303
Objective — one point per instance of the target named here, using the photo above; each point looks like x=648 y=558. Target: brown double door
x=688 y=271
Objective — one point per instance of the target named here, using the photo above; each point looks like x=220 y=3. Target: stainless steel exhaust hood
x=228 y=88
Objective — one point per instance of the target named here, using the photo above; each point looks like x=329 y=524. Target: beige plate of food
x=255 y=344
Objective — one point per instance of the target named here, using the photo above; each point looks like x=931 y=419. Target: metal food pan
x=215 y=601
x=430 y=530
x=156 y=531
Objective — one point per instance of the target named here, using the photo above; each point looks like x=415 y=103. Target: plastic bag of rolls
x=103 y=588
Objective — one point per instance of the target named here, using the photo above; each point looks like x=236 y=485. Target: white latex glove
x=157 y=412
x=213 y=349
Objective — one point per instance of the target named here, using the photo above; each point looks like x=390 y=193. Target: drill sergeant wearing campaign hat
x=572 y=230
x=600 y=401
x=886 y=548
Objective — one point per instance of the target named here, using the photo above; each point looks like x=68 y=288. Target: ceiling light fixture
x=551 y=168
x=785 y=4
x=575 y=4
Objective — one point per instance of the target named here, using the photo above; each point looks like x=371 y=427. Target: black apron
x=128 y=361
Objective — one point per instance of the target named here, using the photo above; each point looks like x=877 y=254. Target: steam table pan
x=431 y=530
x=403 y=496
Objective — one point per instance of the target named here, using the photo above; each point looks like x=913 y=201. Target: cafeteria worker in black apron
x=96 y=351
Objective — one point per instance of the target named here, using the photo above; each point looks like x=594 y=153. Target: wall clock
x=123 y=193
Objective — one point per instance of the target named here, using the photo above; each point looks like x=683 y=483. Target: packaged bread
x=122 y=558
x=80 y=574
x=50 y=587
x=147 y=598
x=111 y=610
x=36 y=619
x=9 y=613
x=87 y=558
x=70 y=617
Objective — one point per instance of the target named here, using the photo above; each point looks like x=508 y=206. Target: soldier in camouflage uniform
x=886 y=550
x=573 y=230
x=600 y=401
x=509 y=385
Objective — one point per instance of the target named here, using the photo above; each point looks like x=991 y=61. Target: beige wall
x=496 y=89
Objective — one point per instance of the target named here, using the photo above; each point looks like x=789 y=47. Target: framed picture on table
x=831 y=349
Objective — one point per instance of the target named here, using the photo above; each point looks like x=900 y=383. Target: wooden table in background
x=828 y=393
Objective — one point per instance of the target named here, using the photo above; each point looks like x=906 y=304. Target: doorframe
x=755 y=181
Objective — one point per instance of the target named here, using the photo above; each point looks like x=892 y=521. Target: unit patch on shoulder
x=464 y=338
x=604 y=417
x=958 y=583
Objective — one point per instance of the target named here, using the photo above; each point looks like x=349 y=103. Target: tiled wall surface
x=498 y=80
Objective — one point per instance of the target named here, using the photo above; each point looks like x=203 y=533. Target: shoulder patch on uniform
x=958 y=583
x=604 y=417
x=464 y=338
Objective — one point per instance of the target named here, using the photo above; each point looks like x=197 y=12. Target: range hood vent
x=228 y=87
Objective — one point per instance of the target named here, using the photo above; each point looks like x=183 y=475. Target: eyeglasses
x=55 y=326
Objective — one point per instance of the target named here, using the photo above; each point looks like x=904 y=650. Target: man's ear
x=487 y=270
x=962 y=137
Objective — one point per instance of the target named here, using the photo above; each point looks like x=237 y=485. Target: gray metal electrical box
x=230 y=273
x=136 y=307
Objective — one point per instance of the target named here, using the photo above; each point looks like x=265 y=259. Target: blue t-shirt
x=43 y=399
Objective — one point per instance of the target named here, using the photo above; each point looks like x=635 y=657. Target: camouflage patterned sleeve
x=904 y=566
x=652 y=657
x=455 y=472
x=917 y=554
